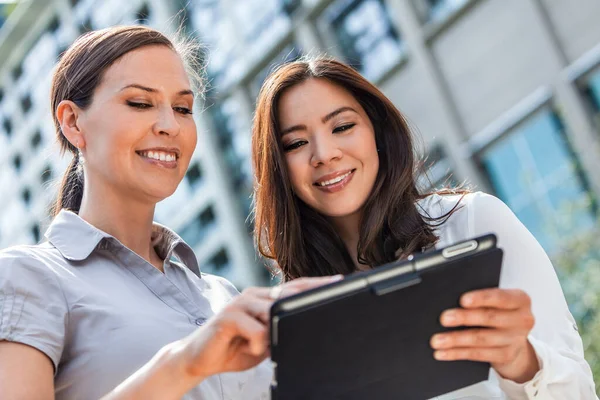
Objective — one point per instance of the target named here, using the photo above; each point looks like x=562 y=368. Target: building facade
x=503 y=94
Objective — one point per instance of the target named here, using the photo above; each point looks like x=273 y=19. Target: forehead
x=156 y=66
x=314 y=98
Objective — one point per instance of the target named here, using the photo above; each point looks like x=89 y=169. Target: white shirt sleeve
x=564 y=372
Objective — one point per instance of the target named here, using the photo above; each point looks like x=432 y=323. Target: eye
x=141 y=106
x=294 y=146
x=343 y=128
x=183 y=110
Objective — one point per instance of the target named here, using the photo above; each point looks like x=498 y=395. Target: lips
x=333 y=178
x=335 y=182
x=163 y=157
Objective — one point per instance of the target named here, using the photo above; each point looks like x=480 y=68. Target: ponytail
x=70 y=192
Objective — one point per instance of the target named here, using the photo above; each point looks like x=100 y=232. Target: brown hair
x=79 y=72
x=299 y=239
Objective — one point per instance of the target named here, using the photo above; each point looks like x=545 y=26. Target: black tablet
x=367 y=336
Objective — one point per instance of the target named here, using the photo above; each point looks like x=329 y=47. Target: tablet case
x=367 y=337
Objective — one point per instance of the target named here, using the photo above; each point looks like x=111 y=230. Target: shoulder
x=462 y=216
x=33 y=265
x=219 y=283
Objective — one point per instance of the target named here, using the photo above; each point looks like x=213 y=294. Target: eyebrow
x=152 y=90
x=324 y=120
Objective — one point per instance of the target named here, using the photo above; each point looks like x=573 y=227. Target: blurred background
x=504 y=94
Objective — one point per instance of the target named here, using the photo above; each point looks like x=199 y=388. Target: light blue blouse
x=99 y=311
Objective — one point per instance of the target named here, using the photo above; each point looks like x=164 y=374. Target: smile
x=336 y=183
x=161 y=158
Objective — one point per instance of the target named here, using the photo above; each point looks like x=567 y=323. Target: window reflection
x=437 y=10
x=592 y=92
x=199 y=227
x=535 y=172
x=291 y=52
x=365 y=35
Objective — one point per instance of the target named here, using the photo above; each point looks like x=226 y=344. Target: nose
x=166 y=123
x=325 y=149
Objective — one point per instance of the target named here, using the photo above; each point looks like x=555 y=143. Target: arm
x=25 y=373
x=563 y=372
x=233 y=340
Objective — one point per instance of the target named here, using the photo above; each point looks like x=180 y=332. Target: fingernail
x=467 y=300
x=439 y=340
x=449 y=317
x=336 y=277
x=439 y=355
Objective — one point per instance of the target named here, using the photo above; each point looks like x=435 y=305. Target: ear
x=68 y=114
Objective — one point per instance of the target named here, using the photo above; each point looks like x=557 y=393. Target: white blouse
x=564 y=372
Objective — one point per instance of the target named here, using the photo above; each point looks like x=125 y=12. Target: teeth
x=335 y=180
x=159 y=155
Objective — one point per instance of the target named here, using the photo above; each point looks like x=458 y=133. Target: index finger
x=507 y=299
x=302 y=284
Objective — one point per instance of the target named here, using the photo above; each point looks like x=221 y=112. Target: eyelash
x=343 y=128
x=293 y=146
x=144 y=106
x=300 y=143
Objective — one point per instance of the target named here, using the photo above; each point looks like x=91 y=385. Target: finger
x=302 y=284
x=241 y=325
x=257 y=307
x=500 y=355
x=487 y=317
x=482 y=337
x=508 y=299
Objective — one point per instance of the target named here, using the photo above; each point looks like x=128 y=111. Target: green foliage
x=578 y=267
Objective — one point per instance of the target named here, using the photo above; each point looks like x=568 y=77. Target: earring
x=80 y=155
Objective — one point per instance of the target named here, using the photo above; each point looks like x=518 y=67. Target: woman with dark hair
x=336 y=192
x=112 y=303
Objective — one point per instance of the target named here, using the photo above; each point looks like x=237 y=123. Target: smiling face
x=330 y=148
x=139 y=132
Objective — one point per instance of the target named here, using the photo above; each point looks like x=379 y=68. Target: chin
x=160 y=193
x=337 y=212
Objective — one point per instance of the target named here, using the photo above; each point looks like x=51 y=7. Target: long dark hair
x=80 y=71
x=303 y=242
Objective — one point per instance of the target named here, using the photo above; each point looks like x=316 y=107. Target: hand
x=503 y=319
x=236 y=338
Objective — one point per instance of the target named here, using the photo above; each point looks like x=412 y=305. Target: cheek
x=297 y=172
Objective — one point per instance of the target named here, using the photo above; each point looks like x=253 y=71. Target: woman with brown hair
x=336 y=192
x=112 y=303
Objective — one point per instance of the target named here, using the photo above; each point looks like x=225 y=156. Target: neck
x=348 y=227
x=126 y=218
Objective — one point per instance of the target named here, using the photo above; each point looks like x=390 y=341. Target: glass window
x=197 y=230
x=233 y=135
x=46 y=174
x=35 y=232
x=291 y=52
x=143 y=14
x=533 y=169
x=17 y=72
x=54 y=24
x=436 y=172
x=218 y=262
x=194 y=175
x=36 y=139
x=263 y=23
x=7 y=125
x=437 y=10
x=208 y=19
x=17 y=162
x=26 y=103
x=26 y=196
x=591 y=89
x=365 y=35
x=6 y=7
